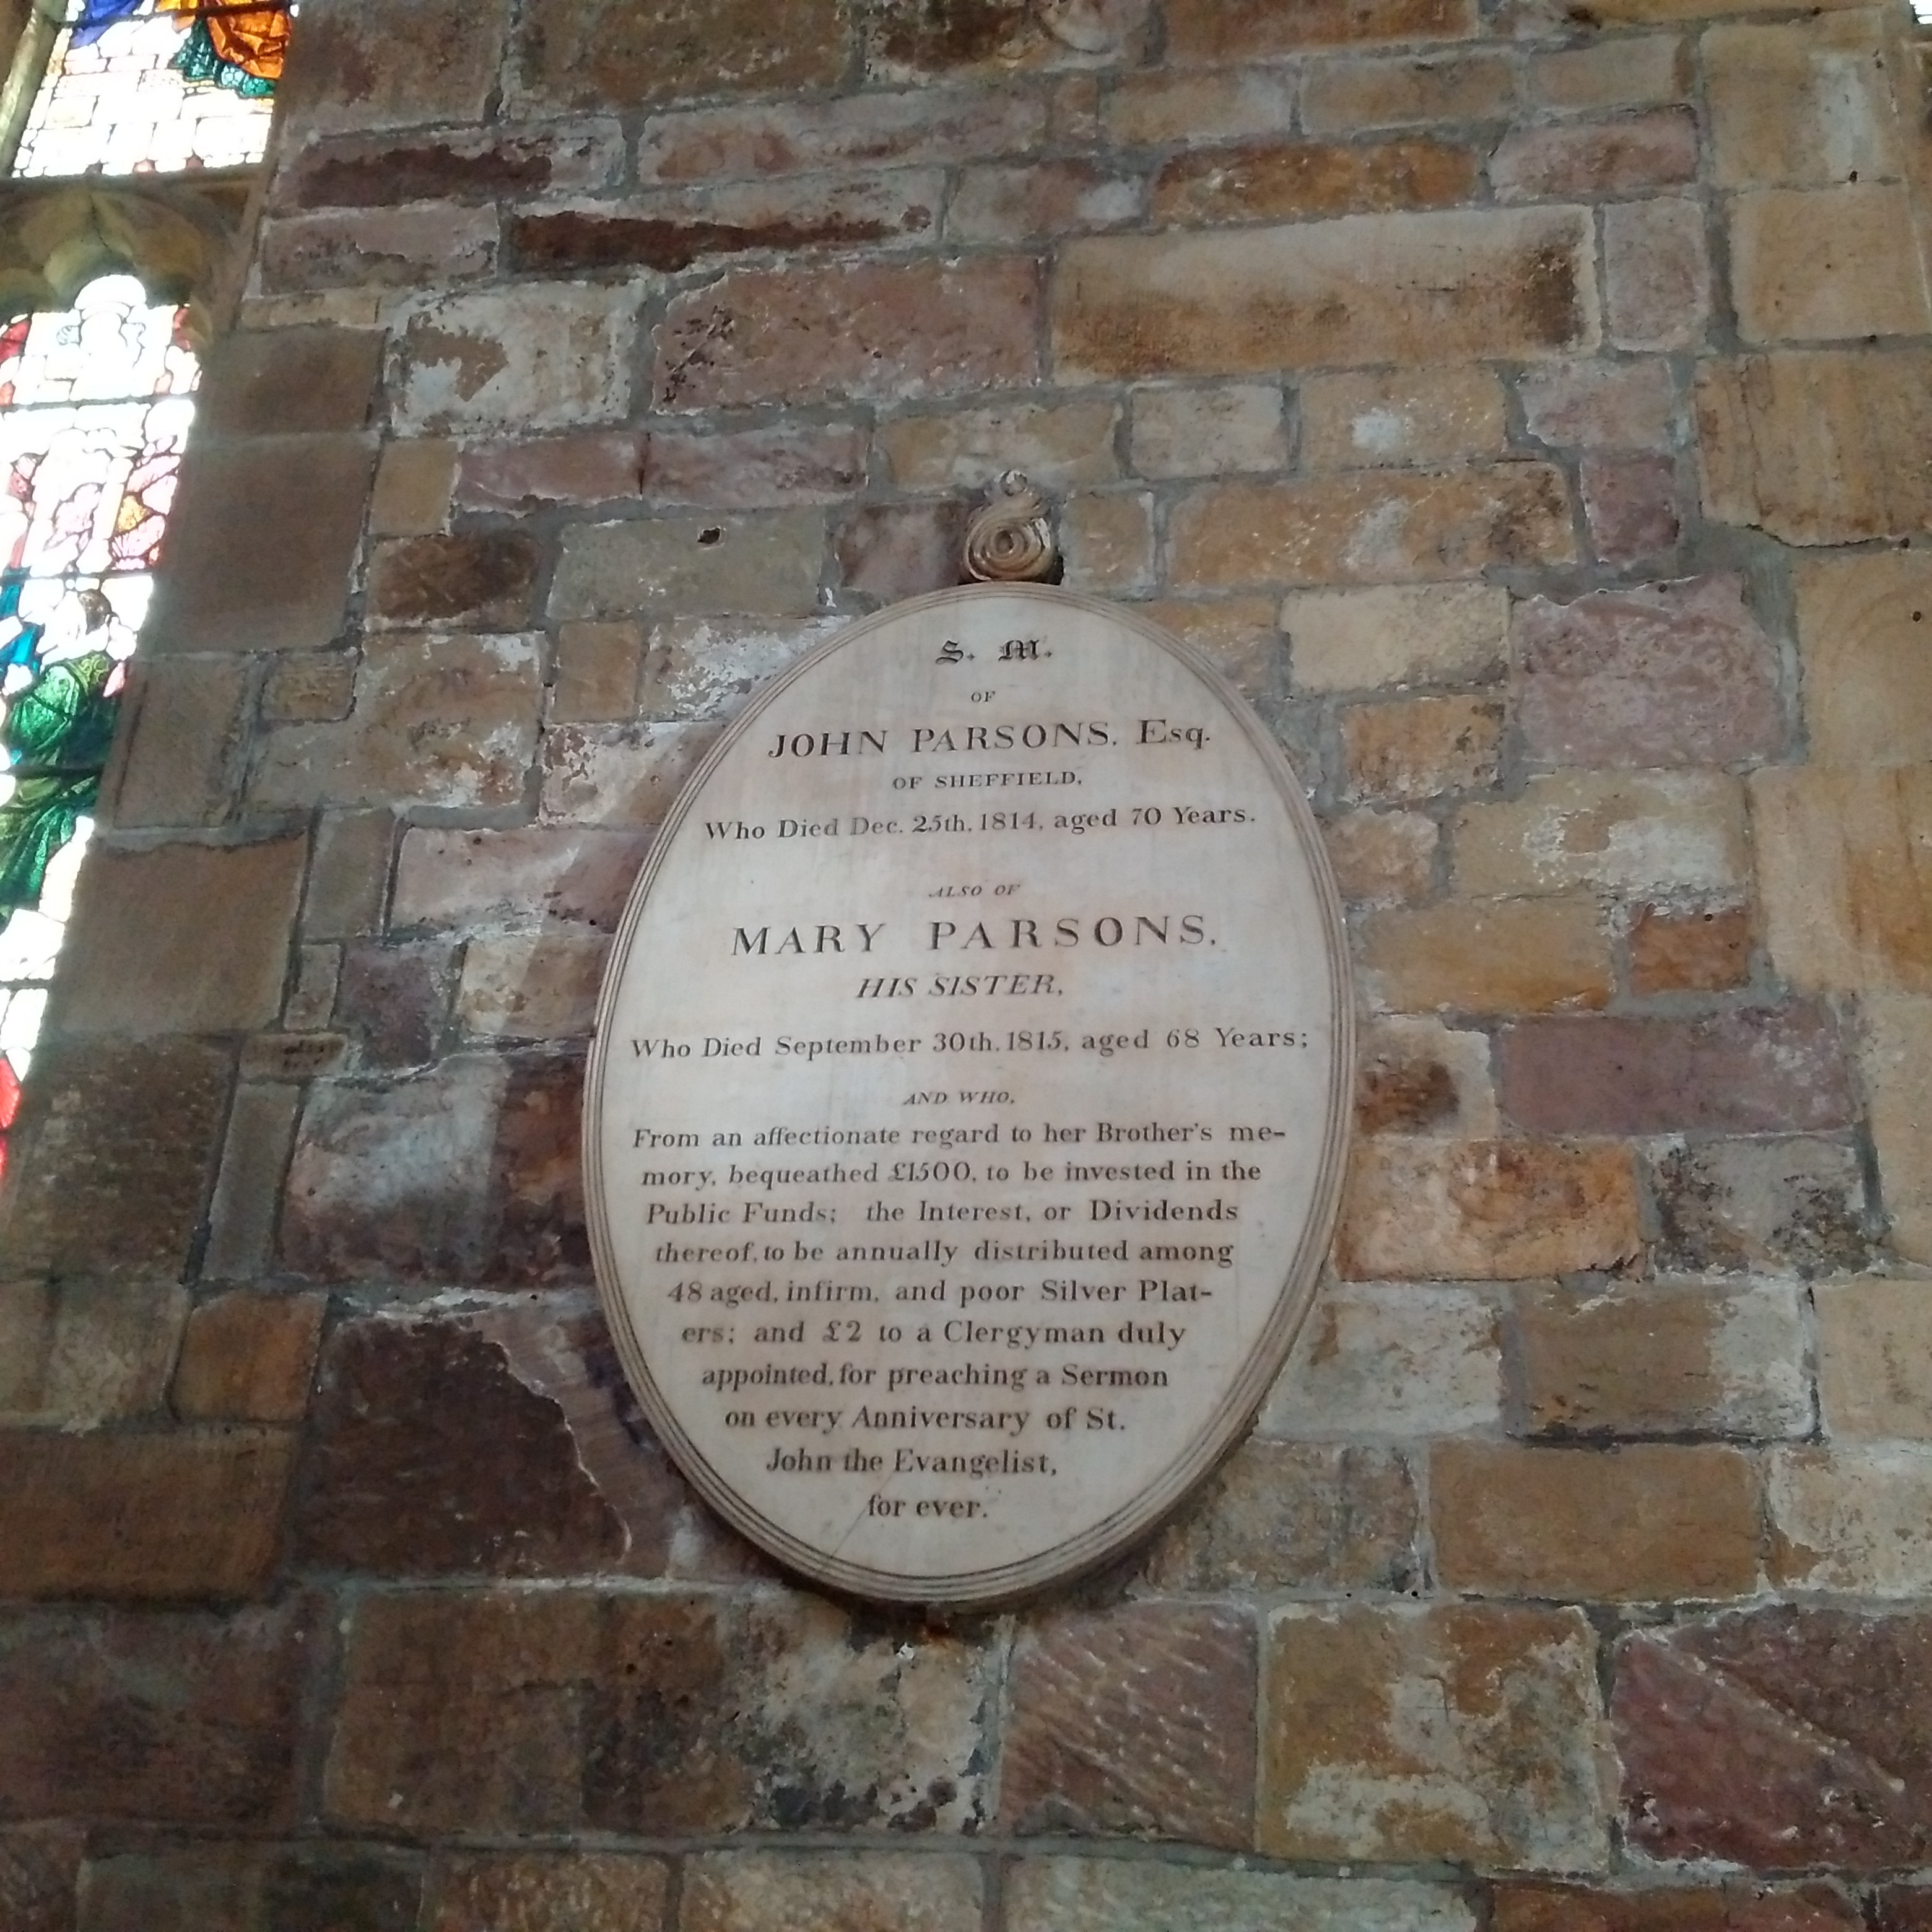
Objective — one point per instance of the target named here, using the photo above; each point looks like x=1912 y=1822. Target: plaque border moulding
x=1228 y=1424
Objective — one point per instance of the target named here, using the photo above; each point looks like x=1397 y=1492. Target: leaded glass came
x=95 y=404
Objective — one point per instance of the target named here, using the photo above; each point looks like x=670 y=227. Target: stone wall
x=1528 y=406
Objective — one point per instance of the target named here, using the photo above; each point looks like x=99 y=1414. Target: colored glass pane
x=95 y=404
x=143 y=86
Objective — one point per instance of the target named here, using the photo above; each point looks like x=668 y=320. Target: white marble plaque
x=969 y=1102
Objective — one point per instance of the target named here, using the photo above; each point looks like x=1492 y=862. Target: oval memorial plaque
x=967 y=1111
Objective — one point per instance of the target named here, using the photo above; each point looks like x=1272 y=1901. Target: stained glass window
x=95 y=403
x=139 y=87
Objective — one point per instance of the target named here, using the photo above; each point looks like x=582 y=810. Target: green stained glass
x=57 y=730
x=198 y=61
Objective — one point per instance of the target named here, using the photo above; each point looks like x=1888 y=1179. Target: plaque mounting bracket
x=1012 y=540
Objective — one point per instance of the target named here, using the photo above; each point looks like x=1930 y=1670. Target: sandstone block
x=595 y=467
x=671 y=564
x=309 y=689
x=1656 y=274
x=1108 y=542
x=1383 y=526
x=1740 y=1906
x=1818 y=446
x=1295 y=1516
x=1381 y=1360
x=1213 y=30
x=1647 y=832
x=756 y=468
x=1851 y=1517
x=445 y=720
x=362 y=68
x=1620 y=73
x=872 y=331
x=532 y=985
x=219 y=595
x=247 y=1191
x=606 y=55
x=478 y=164
x=1509 y=1768
x=170 y=1717
x=1238 y=635
x=1424 y=1209
x=1638 y=1360
x=534 y=356
x=1421 y=748
x=481 y=580
x=1630 y=505
x=1382 y=858
x=1697 y=952
x=576 y=1710
x=1139 y=1719
x=596 y=671
x=1190 y=432
x=1790 y=1206
x=1867 y=698
x=1431 y=287
x=891 y=551
x=1488 y=956
x=1416 y=1076
x=699 y=668
x=769 y=1892
x=248 y=1358
x=1600 y=405
x=1873 y=1341
x=1895 y=1058
x=1306 y=180
x=617 y=776
x=1847 y=896
x=1360 y=640
x=1340 y=96
x=1678 y=673
x=1401 y=418
x=413 y=483
x=1058 y=444
x=289 y=382
x=1819 y=264
x=905 y=40
x=1041 y=201
x=1747 y=1070
x=1074 y=1894
x=159 y=1514
x=1164 y=107
x=518 y=877
x=395 y=998
x=1780 y=1739
x=1647 y=1520
x=1571 y=159
x=377 y=248
x=1801 y=104
x=348 y=874
x=75 y=1353
x=180 y=730
x=537 y=1892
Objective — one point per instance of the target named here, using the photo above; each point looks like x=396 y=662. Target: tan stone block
x=180 y=726
x=1108 y=542
x=1340 y=96
x=1306 y=180
x=1417 y=1076
x=532 y=985
x=707 y=667
x=1702 y=950
x=1438 y=287
x=1420 y=1209
x=348 y=876
x=515 y=878
x=547 y=1891
x=906 y=40
x=1382 y=858
x=1816 y=265
x=288 y=382
x=159 y=1515
x=534 y=356
x=1863 y=637
x=379 y=247
x=1844 y=859
x=1805 y=103
x=830 y=1891
x=1656 y=274
x=1660 y=12
x=249 y=1358
x=1612 y=831
x=1219 y=30
x=597 y=667
x=1370 y=421
x=1852 y=1517
x=667 y=565
x=1155 y=110
x=1363 y=640
x=413 y=482
x=1237 y=634
x=1566 y=159
x=1059 y=446
x=1374 y=1359
x=1111 y=1894
x=1383 y=526
x=1488 y=956
x=307 y=689
x=247 y=1191
x=1621 y=73
x=311 y=999
x=1421 y=748
x=433 y=62
x=1600 y=405
x=1895 y=1057
x=1874 y=1340
x=1454 y=1731
x=180 y=939
x=75 y=1354
x=441 y=720
x=1818 y=446
x=1639 y=1359
x=1042 y=201
x=1209 y=432
x=1641 y=1521
x=619 y=776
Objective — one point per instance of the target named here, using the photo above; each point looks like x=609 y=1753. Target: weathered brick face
x=1526 y=405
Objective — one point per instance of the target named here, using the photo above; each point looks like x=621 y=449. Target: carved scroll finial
x=1011 y=541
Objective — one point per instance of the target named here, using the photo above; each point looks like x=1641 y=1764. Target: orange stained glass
x=255 y=39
